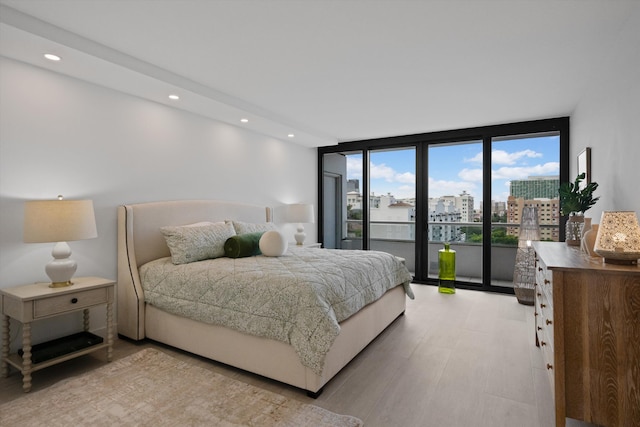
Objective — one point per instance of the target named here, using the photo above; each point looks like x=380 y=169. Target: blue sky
x=458 y=167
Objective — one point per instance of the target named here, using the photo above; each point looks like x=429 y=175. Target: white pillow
x=273 y=243
x=251 y=227
x=195 y=242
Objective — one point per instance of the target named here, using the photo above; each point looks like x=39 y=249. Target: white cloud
x=501 y=157
x=381 y=171
x=438 y=188
x=471 y=175
x=406 y=177
x=354 y=166
x=523 y=172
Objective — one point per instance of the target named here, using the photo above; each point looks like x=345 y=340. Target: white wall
x=60 y=135
x=608 y=120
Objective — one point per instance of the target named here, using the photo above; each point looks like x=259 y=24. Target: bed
x=141 y=245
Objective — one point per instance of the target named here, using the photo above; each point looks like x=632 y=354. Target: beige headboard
x=140 y=241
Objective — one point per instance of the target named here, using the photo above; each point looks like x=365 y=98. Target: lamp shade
x=300 y=213
x=618 y=239
x=59 y=221
x=529 y=228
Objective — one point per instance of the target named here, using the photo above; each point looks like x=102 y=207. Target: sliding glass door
x=525 y=172
x=392 y=202
x=454 y=191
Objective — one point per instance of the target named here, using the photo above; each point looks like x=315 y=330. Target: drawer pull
x=539 y=268
x=548 y=322
x=543 y=343
x=549 y=366
x=74 y=300
x=547 y=281
x=539 y=294
x=543 y=305
x=535 y=313
x=539 y=328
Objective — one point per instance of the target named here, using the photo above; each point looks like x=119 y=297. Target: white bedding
x=298 y=298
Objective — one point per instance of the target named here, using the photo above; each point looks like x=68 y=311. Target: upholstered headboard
x=140 y=241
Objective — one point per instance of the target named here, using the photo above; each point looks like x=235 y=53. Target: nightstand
x=28 y=303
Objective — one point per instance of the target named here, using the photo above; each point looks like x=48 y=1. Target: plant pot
x=573 y=230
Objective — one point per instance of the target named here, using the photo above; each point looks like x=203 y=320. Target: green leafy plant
x=573 y=199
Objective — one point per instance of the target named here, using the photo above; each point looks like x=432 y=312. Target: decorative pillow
x=195 y=242
x=273 y=243
x=251 y=227
x=243 y=245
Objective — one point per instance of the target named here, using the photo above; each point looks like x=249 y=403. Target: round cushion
x=273 y=243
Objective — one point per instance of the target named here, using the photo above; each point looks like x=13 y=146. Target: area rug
x=151 y=388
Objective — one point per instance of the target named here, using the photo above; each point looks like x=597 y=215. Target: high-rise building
x=535 y=187
x=548 y=216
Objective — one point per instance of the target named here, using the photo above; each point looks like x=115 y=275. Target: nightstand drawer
x=69 y=302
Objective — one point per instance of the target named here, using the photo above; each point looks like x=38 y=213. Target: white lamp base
x=61 y=268
x=300 y=235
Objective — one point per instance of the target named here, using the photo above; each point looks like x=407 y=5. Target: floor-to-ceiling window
x=410 y=194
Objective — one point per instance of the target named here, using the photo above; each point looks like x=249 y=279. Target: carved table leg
x=26 y=357
x=4 y=366
x=109 y=332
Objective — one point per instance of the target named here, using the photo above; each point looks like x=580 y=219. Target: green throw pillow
x=243 y=245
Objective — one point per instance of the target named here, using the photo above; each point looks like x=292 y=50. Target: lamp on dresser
x=525 y=272
x=300 y=213
x=59 y=221
x=618 y=239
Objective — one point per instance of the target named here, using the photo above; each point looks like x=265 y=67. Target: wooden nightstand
x=38 y=301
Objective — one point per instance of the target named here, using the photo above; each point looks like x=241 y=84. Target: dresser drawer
x=69 y=302
x=547 y=357
x=544 y=279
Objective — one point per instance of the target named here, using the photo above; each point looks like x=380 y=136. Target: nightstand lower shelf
x=15 y=359
x=62 y=346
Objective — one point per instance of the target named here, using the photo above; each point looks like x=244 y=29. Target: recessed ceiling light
x=291 y=135
x=174 y=97
x=244 y=120
x=52 y=57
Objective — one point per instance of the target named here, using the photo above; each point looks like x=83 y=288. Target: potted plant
x=574 y=202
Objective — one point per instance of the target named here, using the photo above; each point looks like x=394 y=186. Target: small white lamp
x=300 y=213
x=59 y=221
x=618 y=239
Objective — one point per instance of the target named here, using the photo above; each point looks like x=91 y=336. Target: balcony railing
x=469 y=254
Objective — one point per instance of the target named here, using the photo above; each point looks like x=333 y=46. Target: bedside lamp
x=618 y=239
x=300 y=213
x=59 y=221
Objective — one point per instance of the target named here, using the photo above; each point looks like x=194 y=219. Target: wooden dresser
x=588 y=328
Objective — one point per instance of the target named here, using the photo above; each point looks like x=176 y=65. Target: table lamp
x=618 y=239
x=59 y=221
x=300 y=213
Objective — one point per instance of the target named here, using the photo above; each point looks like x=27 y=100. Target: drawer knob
x=546 y=281
x=539 y=294
x=74 y=300
x=539 y=268
x=543 y=305
x=548 y=322
x=549 y=366
x=543 y=343
x=539 y=328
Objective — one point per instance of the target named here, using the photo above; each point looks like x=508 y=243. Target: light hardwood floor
x=467 y=359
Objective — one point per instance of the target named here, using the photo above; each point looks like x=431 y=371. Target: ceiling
x=329 y=71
